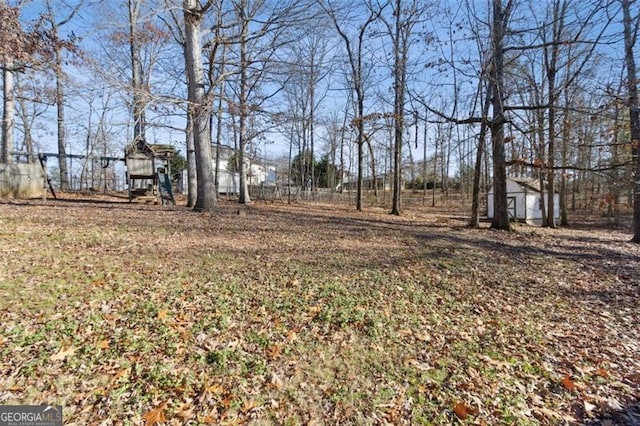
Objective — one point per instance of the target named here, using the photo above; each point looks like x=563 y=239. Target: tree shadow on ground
x=627 y=416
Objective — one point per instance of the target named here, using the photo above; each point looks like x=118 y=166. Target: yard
x=313 y=314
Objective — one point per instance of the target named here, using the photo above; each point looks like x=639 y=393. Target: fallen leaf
x=274 y=352
x=163 y=314
x=210 y=420
x=103 y=344
x=275 y=381
x=408 y=362
x=588 y=407
x=156 y=415
x=543 y=413
x=98 y=282
x=463 y=411
x=568 y=383
x=228 y=399
x=248 y=406
x=63 y=353
x=215 y=389
x=602 y=373
x=185 y=412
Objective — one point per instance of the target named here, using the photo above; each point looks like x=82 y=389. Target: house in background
x=524 y=201
x=259 y=173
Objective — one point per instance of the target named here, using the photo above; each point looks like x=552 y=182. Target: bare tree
x=56 y=45
x=14 y=49
x=8 y=109
x=354 y=46
x=406 y=18
x=480 y=152
x=631 y=24
x=137 y=87
x=199 y=106
x=499 y=23
x=33 y=98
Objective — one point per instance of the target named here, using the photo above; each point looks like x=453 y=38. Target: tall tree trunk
x=137 y=86
x=496 y=78
x=8 y=111
x=206 y=192
x=62 y=155
x=291 y=133
x=244 y=197
x=355 y=63
x=398 y=110
x=435 y=168
x=566 y=135
x=424 y=159
x=551 y=60
x=312 y=118
x=630 y=37
x=27 y=123
x=192 y=176
x=482 y=136
x=219 y=135
x=360 y=143
x=343 y=131
x=374 y=174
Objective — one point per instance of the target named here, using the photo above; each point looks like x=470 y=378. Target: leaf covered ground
x=313 y=314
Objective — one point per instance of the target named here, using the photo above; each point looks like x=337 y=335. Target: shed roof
x=526 y=185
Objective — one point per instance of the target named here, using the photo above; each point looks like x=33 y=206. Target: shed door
x=511 y=207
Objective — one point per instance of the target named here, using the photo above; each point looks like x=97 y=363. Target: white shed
x=524 y=201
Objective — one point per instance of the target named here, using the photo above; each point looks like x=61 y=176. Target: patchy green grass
x=126 y=314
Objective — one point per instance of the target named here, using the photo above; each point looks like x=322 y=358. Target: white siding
x=527 y=202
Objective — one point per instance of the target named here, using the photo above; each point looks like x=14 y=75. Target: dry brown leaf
x=228 y=399
x=215 y=389
x=210 y=420
x=568 y=383
x=275 y=381
x=103 y=344
x=98 y=282
x=185 y=412
x=156 y=415
x=248 y=406
x=315 y=310
x=463 y=410
x=273 y=352
x=408 y=362
x=542 y=413
x=63 y=353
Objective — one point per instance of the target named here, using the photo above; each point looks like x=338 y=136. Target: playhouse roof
x=150 y=150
